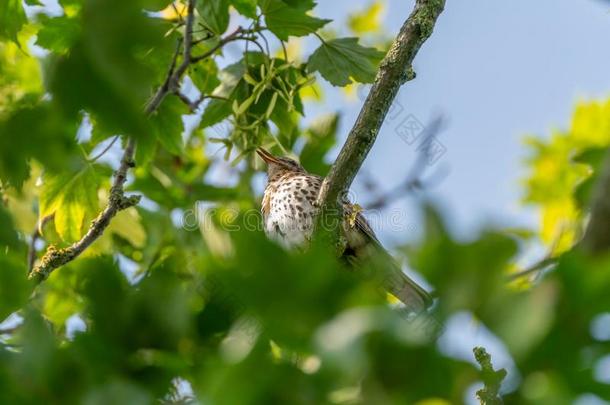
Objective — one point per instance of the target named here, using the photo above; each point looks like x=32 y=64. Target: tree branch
x=174 y=74
x=597 y=235
x=118 y=201
x=394 y=71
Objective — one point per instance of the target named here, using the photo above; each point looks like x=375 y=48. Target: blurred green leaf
x=58 y=34
x=8 y=235
x=14 y=286
x=466 y=276
x=37 y=132
x=215 y=112
x=12 y=18
x=368 y=20
x=205 y=75
x=102 y=72
x=167 y=124
x=60 y=297
x=340 y=60
x=117 y=391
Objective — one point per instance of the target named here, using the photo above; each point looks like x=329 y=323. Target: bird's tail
x=406 y=290
x=364 y=245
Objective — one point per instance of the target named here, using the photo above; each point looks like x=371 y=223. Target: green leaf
x=301 y=4
x=60 y=298
x=245 y=7
x=215 y=112
x=12 y=18
x=340 y=59
x=215 y=15
x=8 y=236
x=146 y=149
x=77 y=84
x=14 y=287
x=128 y=225
x=285 y=21
x=58 y=34
x=72 y=197
x=205 y=75
x=167 y=124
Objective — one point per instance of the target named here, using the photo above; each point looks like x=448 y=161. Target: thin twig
x=184 y=99
x=284 y=50
x=106 y=149
x=266 y=43
x=231 y=37
x=34 y=238
x=394 y=71
x=541 y=265
x=164 y=89
x=255 y=42
x=194 y=105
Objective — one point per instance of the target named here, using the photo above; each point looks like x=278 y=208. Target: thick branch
x=393 y=72
x=597 y=234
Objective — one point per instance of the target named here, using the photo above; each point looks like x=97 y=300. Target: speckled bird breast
x=288 y=208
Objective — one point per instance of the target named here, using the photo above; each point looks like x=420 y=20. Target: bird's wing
x=397 y=282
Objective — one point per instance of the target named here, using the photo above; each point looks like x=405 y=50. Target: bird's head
x=278 y=165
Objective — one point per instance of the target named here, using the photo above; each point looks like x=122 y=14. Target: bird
x=289 y=210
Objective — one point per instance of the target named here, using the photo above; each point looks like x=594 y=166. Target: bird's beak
x=266 y=156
